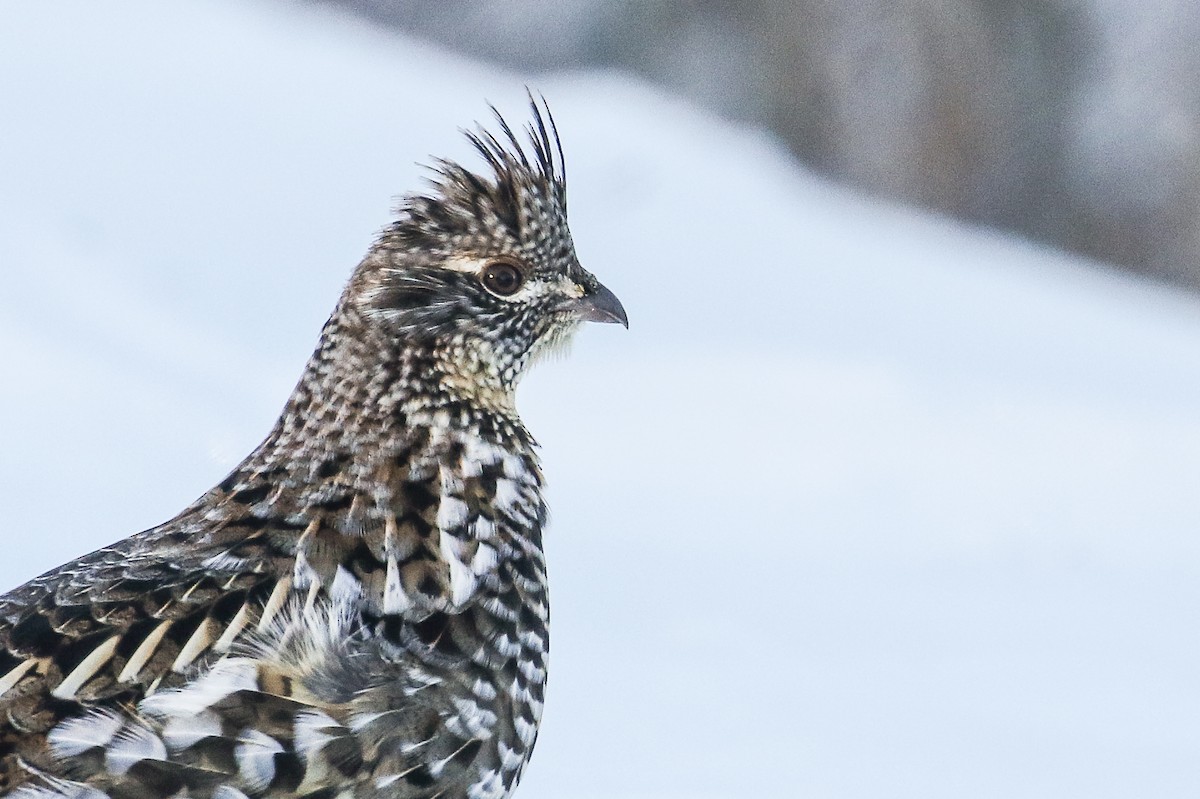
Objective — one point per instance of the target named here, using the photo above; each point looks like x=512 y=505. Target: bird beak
x=600 y=305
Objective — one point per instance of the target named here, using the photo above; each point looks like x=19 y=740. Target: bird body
x=360 y=608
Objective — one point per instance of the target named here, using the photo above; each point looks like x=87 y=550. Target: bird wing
x=261 y=658
x=162 y=661
x=299 y=705
x=108 y=629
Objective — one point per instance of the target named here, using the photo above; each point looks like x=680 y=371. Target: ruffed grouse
x=359 y=609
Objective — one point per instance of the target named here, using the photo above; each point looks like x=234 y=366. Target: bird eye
x=502 y=278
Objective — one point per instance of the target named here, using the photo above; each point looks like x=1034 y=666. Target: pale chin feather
x=553 y=346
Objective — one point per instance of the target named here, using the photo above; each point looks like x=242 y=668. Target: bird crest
x=522 y=204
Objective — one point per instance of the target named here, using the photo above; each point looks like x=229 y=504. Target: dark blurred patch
x=1074 y=123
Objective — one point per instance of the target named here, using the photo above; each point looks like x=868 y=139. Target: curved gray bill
x=601 y=305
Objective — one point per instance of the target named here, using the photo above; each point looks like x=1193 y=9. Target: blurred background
x=871 y=500
x=1073 y=122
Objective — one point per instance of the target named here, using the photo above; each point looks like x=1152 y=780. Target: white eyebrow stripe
x=467 y=265
x=532 y=288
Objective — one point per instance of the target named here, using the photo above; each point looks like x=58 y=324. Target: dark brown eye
x=500 y=277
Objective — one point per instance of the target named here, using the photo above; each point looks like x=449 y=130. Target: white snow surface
x=864 y=504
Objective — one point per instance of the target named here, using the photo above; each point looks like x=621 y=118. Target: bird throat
x=406 y=490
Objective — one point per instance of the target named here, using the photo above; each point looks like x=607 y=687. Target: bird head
x=482 y=266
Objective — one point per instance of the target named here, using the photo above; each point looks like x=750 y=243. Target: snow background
x=865 y=503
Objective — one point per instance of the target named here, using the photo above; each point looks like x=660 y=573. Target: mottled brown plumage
x=359 y=609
